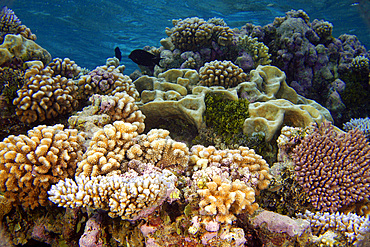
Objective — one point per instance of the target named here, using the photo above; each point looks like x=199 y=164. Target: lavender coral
x=333 y=168
x=363 y=124
x=10 y=24
x=356 y=229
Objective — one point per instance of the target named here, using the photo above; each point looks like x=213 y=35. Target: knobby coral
x=225 y=199
x=107 y=81
x=194 y=33
x=30 y=164
x=221 y=73
x=333 y=168
x=44 y=96
x=115 y=145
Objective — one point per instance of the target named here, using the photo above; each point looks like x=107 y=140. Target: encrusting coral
x=15 y=46
x=333 y=168
x=44 y=96
x=115 y=145
x=221 y=73
x=30 y=164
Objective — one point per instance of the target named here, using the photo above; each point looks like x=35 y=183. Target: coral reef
x=117 y=144
x=30 y=164
x=221 y=73
x=225 y=199
x=64 y=67
x=130 y=196
x=243 y=164
x=311 y=57
x=363 y=124
x=105 y=109
x=17 y=46
x=356 y=229
x=333 y=168
x=44 y=96
x=10 y=24
x=107 y=81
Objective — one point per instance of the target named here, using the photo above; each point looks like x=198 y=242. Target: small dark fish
x=117 y=53
x=144 y=58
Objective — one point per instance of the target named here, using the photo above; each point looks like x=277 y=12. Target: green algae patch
x=225 y=116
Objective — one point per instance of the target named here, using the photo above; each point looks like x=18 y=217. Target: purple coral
x=93 y=232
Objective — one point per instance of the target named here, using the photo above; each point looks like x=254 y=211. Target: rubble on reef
x=218 y=146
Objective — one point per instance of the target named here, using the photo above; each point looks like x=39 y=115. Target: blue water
x=88 y=31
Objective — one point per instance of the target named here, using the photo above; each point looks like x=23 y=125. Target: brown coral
x=43 y=96
x=190 y=33
x=114 y=146
x=193 y=33
x=30 y=164
x=221 y=73
x=107 y=81
x=333 y=168
x=64 y=67
x=225 y=199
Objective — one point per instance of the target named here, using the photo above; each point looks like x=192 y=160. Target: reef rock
x=25 y=49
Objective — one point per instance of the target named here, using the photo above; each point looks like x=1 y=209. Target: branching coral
x=355 y=228
x=10 y=24
x=106 y=80
x=221 y=73
x=243 y=164
x=225 y=199
x=323 y=28
x=115 y=145
x=131 y=197
x=257 y=50
x=106 y=109
x=363 y=124
x=30 y=164
x=64 y=67
x=12 y=80
x=44 y=96
x=333 y=168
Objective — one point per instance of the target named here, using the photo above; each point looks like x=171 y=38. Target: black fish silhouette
x=144 y=58
x=117 y=53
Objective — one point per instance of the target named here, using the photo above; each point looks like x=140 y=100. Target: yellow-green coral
x=225 y=116
x=194 y=33
x=258 y=50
